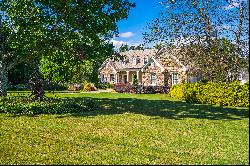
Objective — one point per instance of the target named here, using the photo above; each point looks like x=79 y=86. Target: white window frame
x=112 y=79
x=138 y=60
x=145 y=60
x=102 y=78
x=123 y=61
x=134 y=60
x=175 y=78
x=153 y=79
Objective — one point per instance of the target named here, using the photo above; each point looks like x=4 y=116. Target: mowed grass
x=128 y=129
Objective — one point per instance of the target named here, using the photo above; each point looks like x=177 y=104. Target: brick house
x=152 y=68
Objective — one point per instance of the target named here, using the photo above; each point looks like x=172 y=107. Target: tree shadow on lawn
x=163 y=108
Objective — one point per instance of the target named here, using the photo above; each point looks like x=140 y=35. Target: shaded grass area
x=128 y=129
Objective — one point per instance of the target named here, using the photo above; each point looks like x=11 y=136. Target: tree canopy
x=205 y=31
x=80 y=30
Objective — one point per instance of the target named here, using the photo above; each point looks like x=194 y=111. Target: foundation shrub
x=123 y=87
x=127 y=88
x=216 y=93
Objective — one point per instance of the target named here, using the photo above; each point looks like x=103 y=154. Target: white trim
x=172 y=75
x=145 y=57
x=103 y=64
x=123 y=77
x=112 y=67
x=134 y=61
x=155 y=83
x=110 y=78
x=162 y=68
x=106 y=62
x=149 y=62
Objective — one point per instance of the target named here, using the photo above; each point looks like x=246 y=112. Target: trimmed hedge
x=103 y=85
x=25 y=105
x=218 y=93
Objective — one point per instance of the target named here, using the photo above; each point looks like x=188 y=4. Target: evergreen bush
x=218 y=93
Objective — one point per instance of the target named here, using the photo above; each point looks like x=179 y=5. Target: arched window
x=145 y=60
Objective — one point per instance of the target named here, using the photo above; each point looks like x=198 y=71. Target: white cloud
x=226 y=27
x=117 y=43
x=127 y=34
x=233 y=4
x=222 y=27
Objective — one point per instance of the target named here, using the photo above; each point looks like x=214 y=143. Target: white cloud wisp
x=127 y=34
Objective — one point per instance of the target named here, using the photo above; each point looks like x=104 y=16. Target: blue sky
x=131 y=29
x=145 y=11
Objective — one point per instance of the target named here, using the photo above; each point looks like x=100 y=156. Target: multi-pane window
x=134 y=60
x=153 y=79
x=123 y=61
x=145 y=60
x=137 y=60
x=102 y=78
x=112 y=78
x=174 y=78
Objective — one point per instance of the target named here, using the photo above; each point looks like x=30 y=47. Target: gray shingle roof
x=129 y=55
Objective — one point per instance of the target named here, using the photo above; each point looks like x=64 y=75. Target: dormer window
x=145 y=59
x=123 y=61
x=134 y=60
x=137 y=60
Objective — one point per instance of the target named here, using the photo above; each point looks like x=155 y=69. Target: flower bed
x=128 y=88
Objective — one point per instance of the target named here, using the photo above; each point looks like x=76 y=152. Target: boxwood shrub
x=218 y=93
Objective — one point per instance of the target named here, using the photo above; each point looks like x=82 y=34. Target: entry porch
x=126 y=76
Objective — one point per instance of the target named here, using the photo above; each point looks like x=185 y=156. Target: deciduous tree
x=202 y=29
x=81 y=29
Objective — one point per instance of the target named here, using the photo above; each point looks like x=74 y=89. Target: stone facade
x=151 y=68
x=147 y=75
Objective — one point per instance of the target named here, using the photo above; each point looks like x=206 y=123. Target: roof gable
x=134 y=56
x=150 y=61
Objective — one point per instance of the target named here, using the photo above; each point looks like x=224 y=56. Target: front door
x=125 y=78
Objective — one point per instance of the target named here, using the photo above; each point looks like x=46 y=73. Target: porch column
x=117 y=77
x=127 y=76
x=137 y=74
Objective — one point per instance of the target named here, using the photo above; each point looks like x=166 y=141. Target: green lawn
x=128 y=129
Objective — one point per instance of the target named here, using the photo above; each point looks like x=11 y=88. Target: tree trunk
x=37 y=81
x=3 y=79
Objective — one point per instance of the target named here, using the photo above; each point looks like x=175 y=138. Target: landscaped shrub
x=101 y=85
x=19 y=87
x=89 y=87
x=75 y=87
x=218 y=93
x=128 y=88
x=110 y=85
x=52 y=86
x=134 y=80
x=177 y=91
x=123 y=87
x=104 y=85
x=24 y=105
